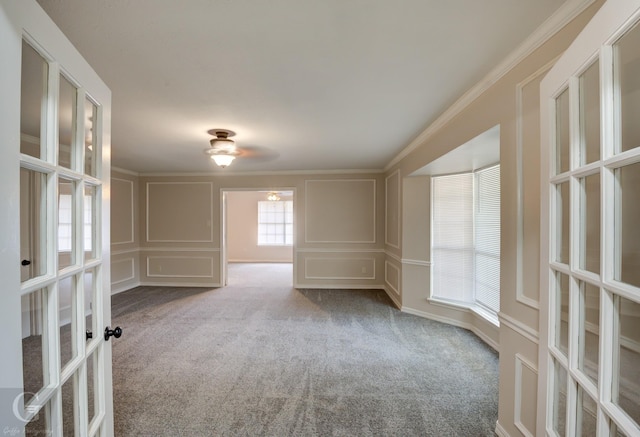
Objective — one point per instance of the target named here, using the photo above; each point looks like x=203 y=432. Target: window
x=466 y=238
x=275 y=223
x=65 y=231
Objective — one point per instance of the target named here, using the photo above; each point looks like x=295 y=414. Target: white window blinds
x=452 y=237
x=487 y=230
x=466 y=238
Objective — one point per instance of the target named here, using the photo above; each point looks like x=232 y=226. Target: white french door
x=54 y=162
x=589 y=382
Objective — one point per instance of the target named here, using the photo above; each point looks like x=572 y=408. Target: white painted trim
x=517 y=326
x=125 y=287
x=386 y=265
x=133 y=270
x=266 y=173
x=306 y=214
x=339 y=286
x=258 y=261
x=133 y=235
x=394 y=298
x=520 y=296
x=149 y=275
x=124 y=251
x=500 y=431
x=415 y=262
x=386 y=210
x=180 y=284
x=179 y=249
x=325 y=250
x=372 y=276
x=393 y=256
x=454 y=322
x=148 y=240
x=124 y=171
x=519 y=362
x=567 y=12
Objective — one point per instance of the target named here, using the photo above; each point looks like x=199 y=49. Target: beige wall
x=513 y=103
x=338 y=222
x=242 y=230
x=125 y=238
x=372 y=230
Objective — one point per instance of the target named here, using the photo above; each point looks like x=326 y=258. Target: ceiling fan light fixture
x=223 y=159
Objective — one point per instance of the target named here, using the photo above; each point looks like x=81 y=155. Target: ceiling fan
x=223 y=149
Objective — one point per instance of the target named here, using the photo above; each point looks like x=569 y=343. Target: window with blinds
x=275 y=223
x=466 y=238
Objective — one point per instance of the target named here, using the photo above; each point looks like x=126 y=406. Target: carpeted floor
x=269 y=360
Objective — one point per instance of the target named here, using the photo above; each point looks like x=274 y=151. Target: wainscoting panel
x=392 y=276
x=180 y=266
x=122 y=207
x=344 y=268
x=392 y=199
x=526 y=386
x=340 y=211
x=179 y=212
x=123 y=270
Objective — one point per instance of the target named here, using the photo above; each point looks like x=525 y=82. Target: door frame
x=25 y=19
x=224 y=261
x=608 y=24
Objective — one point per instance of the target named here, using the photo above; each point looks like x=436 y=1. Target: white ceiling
x=307 y=85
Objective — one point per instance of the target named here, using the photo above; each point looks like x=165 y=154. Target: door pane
x=562 y=223
x=92 y=373
x=33 y=342
x=68 y=419
x=562 y=312
x=66 y=122
x=629 y=208
x=590 y=253
x=67 y=319
x=590 y=114
x=90 y=137
x=40 y=425
x=32 y=218
x=89 y=296
x=628 y=344
x=627 y=61
x=588 y=412
x=589 y=330
x=562 y=132
x=66 y=223
x=559 y=398
x=32 y=98
x=90 y=200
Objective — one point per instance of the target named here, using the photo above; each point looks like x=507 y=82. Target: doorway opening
x=258 y=237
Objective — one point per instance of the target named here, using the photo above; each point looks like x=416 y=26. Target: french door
x=55 y=164
x=589 y=382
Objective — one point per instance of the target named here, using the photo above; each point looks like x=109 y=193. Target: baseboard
x=180 y=284
x=500 y=431
x=449 y=321
x=340 y=286
x=394 y=297
x=124 y=287
x=259 y=261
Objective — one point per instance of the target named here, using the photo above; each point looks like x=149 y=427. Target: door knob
x=117 y=332
x=25 y=262
x=88 y=334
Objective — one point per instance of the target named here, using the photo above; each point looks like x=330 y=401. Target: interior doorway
x=258 y=236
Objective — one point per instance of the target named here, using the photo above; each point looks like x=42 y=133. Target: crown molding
x=267 y=173
x=567 y=12
x=122 y=170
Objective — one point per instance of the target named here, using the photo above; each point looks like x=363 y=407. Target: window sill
x=476 y=309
